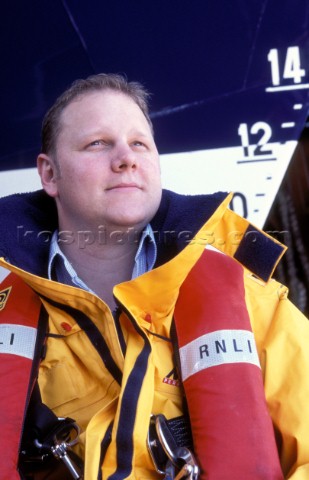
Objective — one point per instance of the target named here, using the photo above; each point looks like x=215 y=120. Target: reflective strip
x=17 y=340
x=4 y=272
x=218 y=348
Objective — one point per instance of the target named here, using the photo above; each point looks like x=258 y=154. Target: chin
x=130 y=222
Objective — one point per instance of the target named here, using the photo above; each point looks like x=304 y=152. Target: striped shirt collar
x=59 y=267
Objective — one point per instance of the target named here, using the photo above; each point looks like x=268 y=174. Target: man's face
x=109 y=164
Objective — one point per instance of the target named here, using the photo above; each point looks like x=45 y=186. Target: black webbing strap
x=180 y=430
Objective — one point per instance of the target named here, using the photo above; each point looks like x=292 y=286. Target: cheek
x=156 y=176
x=152 y=169
x=80 y=176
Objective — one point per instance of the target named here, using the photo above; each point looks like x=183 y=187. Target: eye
x=137 y=143
x=97 y=143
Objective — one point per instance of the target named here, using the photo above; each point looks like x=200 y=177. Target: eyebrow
x=138 y=132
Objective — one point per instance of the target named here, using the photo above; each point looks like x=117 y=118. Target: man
x=103 y=169
x=119 y=265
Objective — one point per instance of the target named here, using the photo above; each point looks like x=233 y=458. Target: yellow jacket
x=111 y=375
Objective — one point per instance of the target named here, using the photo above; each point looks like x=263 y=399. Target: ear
x=49 y=173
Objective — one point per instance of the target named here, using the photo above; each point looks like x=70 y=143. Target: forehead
x=98 y=102
x=101 y=112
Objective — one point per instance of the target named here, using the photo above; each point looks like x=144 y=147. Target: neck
x=102 y=266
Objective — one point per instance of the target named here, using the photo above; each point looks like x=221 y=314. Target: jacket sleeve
x=282 y=336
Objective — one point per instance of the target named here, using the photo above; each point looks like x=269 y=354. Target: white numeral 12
x=264 y=128
x=291 y=69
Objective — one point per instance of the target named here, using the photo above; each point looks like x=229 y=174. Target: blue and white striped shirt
x=61 y=269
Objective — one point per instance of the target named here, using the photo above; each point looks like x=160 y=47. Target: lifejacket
x=232 y=430
x=23 y=327
x=20 y=346
x=226 y=400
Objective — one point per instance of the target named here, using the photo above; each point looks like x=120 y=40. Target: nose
x=123 y=158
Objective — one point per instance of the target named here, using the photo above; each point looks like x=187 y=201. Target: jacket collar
x=27 y=222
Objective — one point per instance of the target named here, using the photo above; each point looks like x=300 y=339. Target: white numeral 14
x=292 y=69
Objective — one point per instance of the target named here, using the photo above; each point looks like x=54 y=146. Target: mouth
x=125 y=186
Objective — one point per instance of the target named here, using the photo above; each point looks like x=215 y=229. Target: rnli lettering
x=11 y=339
x=218 y=348
x=204 y=351
x=17 y=340
x=221 y=347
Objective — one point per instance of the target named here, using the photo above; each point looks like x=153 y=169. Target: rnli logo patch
x=4 y=295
